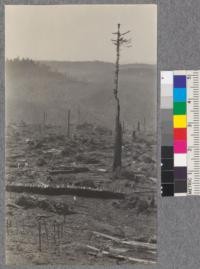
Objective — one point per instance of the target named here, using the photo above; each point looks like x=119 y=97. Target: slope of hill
x=54 y=87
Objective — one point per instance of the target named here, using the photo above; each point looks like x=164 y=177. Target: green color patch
x=179 y=108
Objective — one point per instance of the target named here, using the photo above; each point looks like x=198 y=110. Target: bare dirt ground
x=68 y=229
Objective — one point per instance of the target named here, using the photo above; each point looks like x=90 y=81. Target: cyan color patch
x=179 y=95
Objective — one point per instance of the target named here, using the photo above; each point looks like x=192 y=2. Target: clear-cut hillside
x=54 y=87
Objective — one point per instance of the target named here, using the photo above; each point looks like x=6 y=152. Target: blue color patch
x=180 y=81
x=179 y=95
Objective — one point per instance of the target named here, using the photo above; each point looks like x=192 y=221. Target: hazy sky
x=80 y=32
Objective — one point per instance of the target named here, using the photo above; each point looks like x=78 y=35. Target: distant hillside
x=54 y=87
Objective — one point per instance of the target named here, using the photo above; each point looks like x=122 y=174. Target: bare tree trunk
x=123 y=127
x=44 y=120
x=138 y=126
x=144 y=124
x=79 y=116
x=68 y=123
x=40 y=235
x=117 y=160
x=117 y=163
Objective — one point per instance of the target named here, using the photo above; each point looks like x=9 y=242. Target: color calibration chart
x=180 y=138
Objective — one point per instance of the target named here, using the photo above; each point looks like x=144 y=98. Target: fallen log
x=92 y=248
x=11 y=205
x=132 y=243
x=118 y=256
x=65 y=190
x=71 y=170
x=15 y=156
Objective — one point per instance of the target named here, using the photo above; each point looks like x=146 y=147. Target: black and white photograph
x=80 y=134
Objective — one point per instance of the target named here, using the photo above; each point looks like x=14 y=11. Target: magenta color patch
x=180 y=146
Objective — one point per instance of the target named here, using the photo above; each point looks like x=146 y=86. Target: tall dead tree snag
x=68 y=122
x=123 y=127
x=44 y=120
x=79 y=115
x=118 y=42
x=138 y=126
x=144 y=124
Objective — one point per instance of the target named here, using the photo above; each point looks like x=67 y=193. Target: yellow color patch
x=180 y=121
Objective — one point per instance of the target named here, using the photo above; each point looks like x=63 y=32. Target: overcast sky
x=80 y=32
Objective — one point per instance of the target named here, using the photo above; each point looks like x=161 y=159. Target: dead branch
x=132 y=243
x=117 y=256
